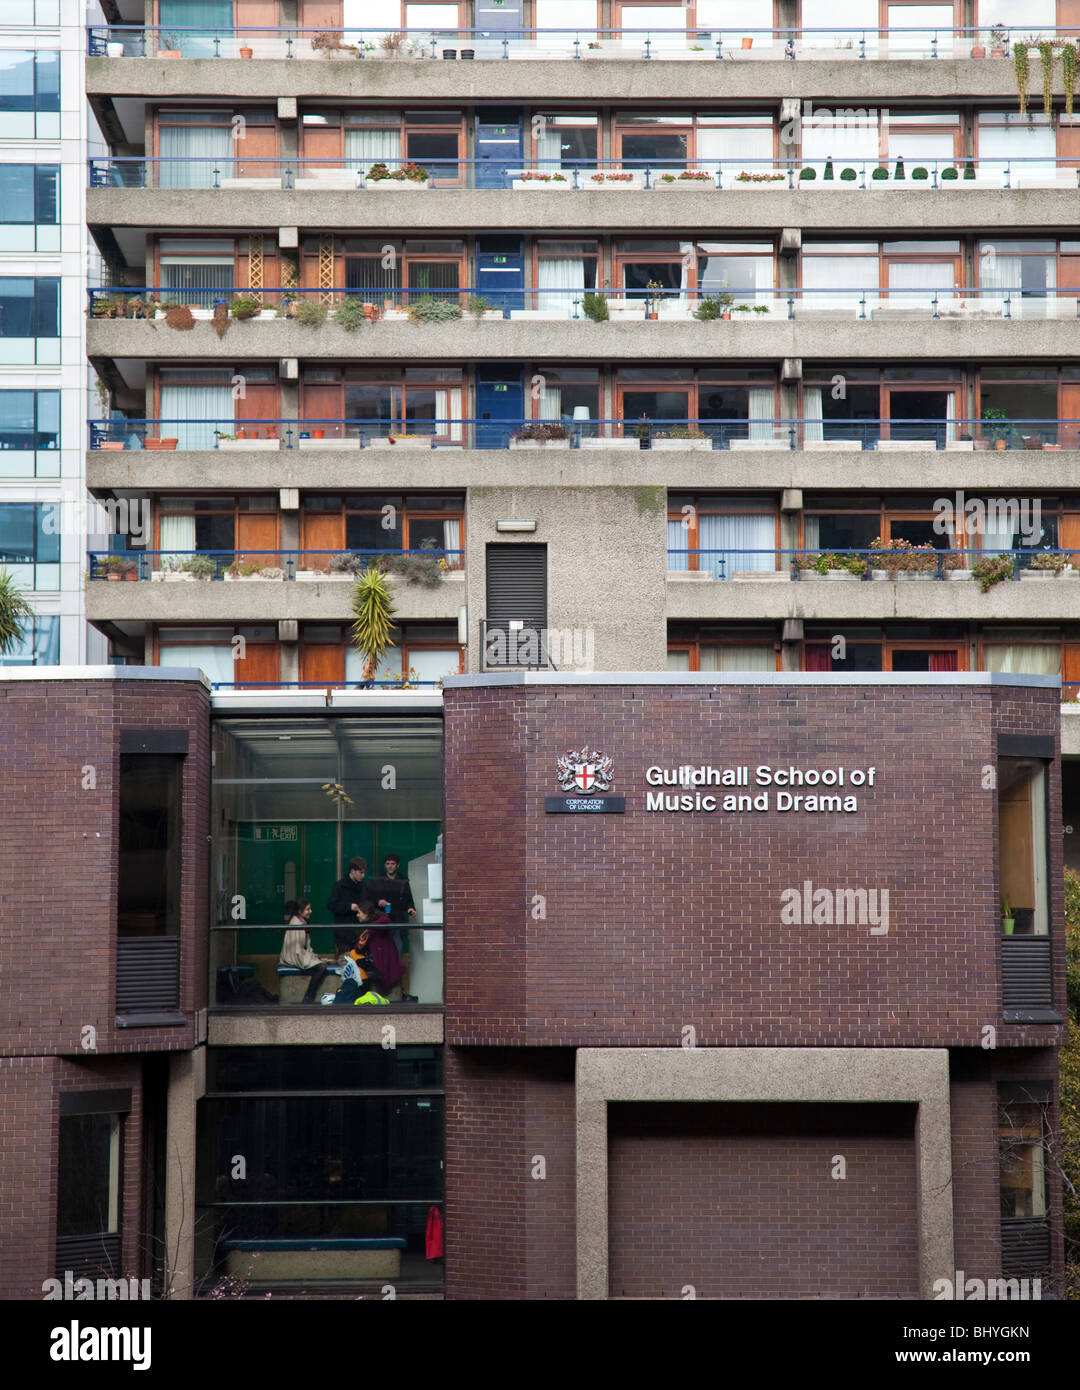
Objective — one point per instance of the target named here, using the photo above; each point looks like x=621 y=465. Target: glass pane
x=17 y=193
x=16 y=81
x=86 y=1176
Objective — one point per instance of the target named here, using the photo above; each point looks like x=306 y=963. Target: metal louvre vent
x=147 y=973
x=1025 y=972
x=1025 y=1247
x=516 y=625
x=88 y=1257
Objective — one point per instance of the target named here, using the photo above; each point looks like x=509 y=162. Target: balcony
x=843 y=322
x=896 y=580
x=260 y=586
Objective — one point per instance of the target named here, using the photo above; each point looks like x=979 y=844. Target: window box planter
x=563 y=444
x=371 y=184
x=626 y=444
x=960 y=446
x=252 y=578
x=540 y=315
x=678 y=185
x=634 y=181
x=401 y=442
x=1038 y=574
x=836 y=574
x=833 y=446
x=113 y=444
x=674 y=446
x=180 y=578
x=904 y=446
x=915 y=574
x=150 y=443
x=543 y=185
x=242 y=444
x=329 y=443
x=749 y=445
x=957 y=574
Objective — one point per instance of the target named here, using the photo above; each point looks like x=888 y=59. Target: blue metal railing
x=308 y=173
x=871 y=563
x=259 y=564
x=810 y=432
x=655 y=42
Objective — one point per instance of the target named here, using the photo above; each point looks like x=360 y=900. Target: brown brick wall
x=739 y=1201
x=655 y=921
x=508 y=1234
x=58 y=865
x=29 y=1145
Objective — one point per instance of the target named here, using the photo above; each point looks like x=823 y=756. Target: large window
x=674 y=142
x=148 y=854
x=722 y=535
x=364 y=522
x=1023 y=147
x=1024 y=275
x=29 y=207
x=350 y=1163
x=914 y=402
x=196 y=270
x=29 y=307
x=240 y=656
x=29 y=421
x=1022 y=844
x=30 y=544
x=40 y=645
x=565 y=140
x=379 y=269
x=379 y=401
x=88 y=1200
x=29 y=94
x=730 y=404
x=1022 y=1153
x=564 y=271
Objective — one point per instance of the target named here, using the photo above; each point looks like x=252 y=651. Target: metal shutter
x=1025 y=972
x=1025 y=1247
x=147 y=973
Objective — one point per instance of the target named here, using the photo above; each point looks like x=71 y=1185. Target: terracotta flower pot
x=748 y=43
x=246 y=52
x=978 y=51
x=317 y=434
x=1000 y=445
x=113 y=578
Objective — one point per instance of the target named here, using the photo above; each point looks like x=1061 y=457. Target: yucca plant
x=373 y=619
x=14 y=608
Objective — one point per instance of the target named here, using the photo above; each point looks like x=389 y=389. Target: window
x=378 y=401
x=381 y=522
x=1024 y=147
x=88 y=1199
x=29 y=193
x=674 y=142
x=29 y=307
x=914 y=403
x=218 y=653
x=29 y=420
x=565 y=141
x=1016 y=401
x=246 y=525
x=40 y=645
x=723 y=649
x=195 y=404
x=1022 y=844
x=196 y=270
x=569 y=394
x=1022 y=1154
x=722 y=535
x=727 y=403
x=1024 y=275
x=30 y=544
x=196 y=148
x=148 y=892
x=431 y=264
x=564 y=271
x=29 y=94
x=350 y=1144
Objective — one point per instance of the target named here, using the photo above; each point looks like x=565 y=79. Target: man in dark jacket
x=394 y=896
x=349 y=892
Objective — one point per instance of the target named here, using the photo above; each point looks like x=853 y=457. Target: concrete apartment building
x=789 y=302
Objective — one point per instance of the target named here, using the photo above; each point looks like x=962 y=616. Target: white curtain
x=452 y=543
x=678 y=539
x=735 y=149
x=215 y=661
x=737 y=659
x=919 y=280
x=199 y=411
x=854 y=144
x=1028 y=658
x=950 y=417
x=837 y=282
x=733 y=18
x=549 y=406
x=367 y=147
x=1016 y=137
x=177 y=540
x=678 y=661
x=996 y=541
x=180 y=148
x=448 y=408
x=742 y=542
x=814 y=426
x=761 y=412
x=549 y=149
x=578 y=16
x=565 y=274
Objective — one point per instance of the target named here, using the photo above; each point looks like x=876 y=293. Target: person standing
x=394 y=895
x=349 y=892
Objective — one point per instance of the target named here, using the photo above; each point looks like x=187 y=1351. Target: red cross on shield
x=585 y=776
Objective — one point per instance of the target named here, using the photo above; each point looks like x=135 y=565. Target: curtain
x=761 y=411
x=994 y=542
x=566 y=15
x=366 y=147
x=182 y=146
x=452 y=543
x=177 y=541
x=549 y=406
x=1017 y=137
x=549 y=150
x=738 y=659
x=197 y=281
x=811 y=531
x=193 y=413
x=433 y=665
x=814 y=425
x=677 y=543
x=1029 y=658
x=837 y=282
x=919 y=280
x=998 y=274
x=177 y=15
x=950 y=417
x=216 y=662
x=944 y=661
x=565 y=274
x=733 y=149
x=448 y=409
x=817 y=656
x=741 y=542
x=678 y=661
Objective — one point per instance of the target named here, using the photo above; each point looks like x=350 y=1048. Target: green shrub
x=709 y=308
x=310 y=312
x=594 y=306
x=350 y=314
x=428 y=310
x=919 y=173
x=808 y=174
x=949 y=173
x=848 y=175
x=880 y=173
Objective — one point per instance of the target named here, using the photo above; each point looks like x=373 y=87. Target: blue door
x=500 y=271
x=500 y=405
x=499 y=147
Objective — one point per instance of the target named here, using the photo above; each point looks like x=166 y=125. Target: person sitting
x=297 y=951
x=383 y=943
x=359 y=978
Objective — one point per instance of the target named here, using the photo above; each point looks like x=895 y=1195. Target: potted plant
x=828 y=565
x=653 y=298
x=978 y=50
x=428 y=310
x=991 y=570
x=594 y=307
x=199 y=567
x=726 y=302
x=995 y=429
x=408 y=175
x=879 y=175
x=1048 y=564
x=1008 y=921
x=167 y=46
x=807 y=175
x=707 y=309
x=114 y=48
x=130 y=570
x=541 y=435
x=999 y=37
x=246 y=52
x=373 y=620
x=245 y=306
x=113 y=567
x=480 y=308
x=680 y=437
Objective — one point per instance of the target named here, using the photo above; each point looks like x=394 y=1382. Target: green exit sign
x=501 y=387
x=500 y=130
x=500 y=260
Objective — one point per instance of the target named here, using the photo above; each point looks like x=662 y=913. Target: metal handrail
x=929 y=561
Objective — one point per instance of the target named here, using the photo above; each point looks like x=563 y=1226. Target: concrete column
x=187 y=1084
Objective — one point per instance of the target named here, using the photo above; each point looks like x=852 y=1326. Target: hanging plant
x=1020 y=61
x=1046 y=54
x=1068 y=70
x=373 y=619
x=180 y=317
x=221 y=319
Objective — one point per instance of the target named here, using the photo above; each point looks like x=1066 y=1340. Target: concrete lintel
x=286 y=108
x=747 y=1074
x=329 y=1027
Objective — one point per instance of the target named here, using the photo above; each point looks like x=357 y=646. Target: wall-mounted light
x=515 y=525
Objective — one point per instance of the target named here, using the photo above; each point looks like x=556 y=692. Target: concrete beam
x=839 y=600
x=465 y=340
x=325 y=1029
x=262 y=601
x=494 y=209
x=606 y=79
x=1017 y=472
